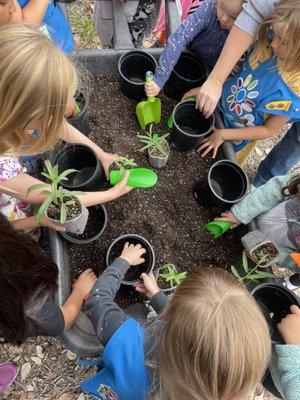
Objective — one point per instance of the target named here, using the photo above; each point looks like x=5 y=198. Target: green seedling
x=255 y=274
x=154 y=143
x=57 y=196
x=170 y=274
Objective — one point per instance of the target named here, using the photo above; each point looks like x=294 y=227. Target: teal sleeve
x=260 y=199
x=285 y=370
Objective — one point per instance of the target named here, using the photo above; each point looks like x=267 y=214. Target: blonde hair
x=214 y=342
x=36 y=82
x=286 y=17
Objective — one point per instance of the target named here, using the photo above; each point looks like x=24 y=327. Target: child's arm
x=270 y=128
x=177 y=42
x=239 y=39
x=27 y=224
x=105 y=315
x=33 y=13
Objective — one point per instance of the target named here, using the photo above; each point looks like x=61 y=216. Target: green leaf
x=49 y=169
x=43 y=208
x=46 y=175
x=63 y=214
x=245 y=262
x=255 y=276
x=265 y=274
x=70 y=202
x=235 y=273
x=75 y=193
x=36 y=187
x=63 y=175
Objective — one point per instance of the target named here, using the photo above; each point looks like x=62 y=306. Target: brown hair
x=24 y=270
x=213 y=343
x=36 y=83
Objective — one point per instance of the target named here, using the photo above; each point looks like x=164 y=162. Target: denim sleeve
x=260 y=199
x=185 y=33
x=105 y=315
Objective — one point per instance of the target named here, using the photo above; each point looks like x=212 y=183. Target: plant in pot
x=61 y=206
x=254 y=274
x=80 y=117
x=157 y=146
x=168 y=277
x=258 y=246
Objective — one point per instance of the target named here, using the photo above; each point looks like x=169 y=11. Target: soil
x=73 y=210
x=94 y=224
x=265 y=249
x=167 y=215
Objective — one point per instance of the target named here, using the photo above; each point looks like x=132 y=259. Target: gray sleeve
x=105 y=315
x=159 y=302
x=253 y=14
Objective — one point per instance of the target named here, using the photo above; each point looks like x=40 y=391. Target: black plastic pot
x=132 y=68
x=275 y=302
x=98 y=219
x=81 y=121
x=189 y=126
x=115 y=250
x=188 y=73
x=90 y=176
x=226 y=183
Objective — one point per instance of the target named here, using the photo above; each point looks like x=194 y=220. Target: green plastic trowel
x=148 y=111
x=142 y=178
x=217 y=228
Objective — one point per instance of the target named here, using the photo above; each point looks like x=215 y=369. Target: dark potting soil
x=73 y=210
x=94 y=224
x=167 y=215
x=267 y=249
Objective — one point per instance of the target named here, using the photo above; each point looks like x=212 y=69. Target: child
x=28 y=285
x=7 y=11
x=205 y=31
x=211 y=341
x=275 y=207
x=37 y=82
x=258 y=101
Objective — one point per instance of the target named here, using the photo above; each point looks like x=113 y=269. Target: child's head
x=37 y=81
x=228 y=11
x=283 y=28
x=7 y=8
x=215 y=343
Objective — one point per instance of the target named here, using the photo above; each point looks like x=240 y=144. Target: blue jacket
x=123 y=375
x=58 y=26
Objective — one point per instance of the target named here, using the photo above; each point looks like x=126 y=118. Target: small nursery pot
x=189 y=126
x=90 y=175
x=159 y=161
x=167 y=290
x=96 y=224
x=75 y=225
x=115 y=250
x=188 y=73
x=253 y=240
x=81 y=121
x=132 y=68
x=275 y=302
x=226 y=183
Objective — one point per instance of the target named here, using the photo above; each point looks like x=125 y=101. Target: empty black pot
x=226 y=183
x=189 y=126
x=188 y=73
x=81 y=121
x=90 y=175
x=275 y=302
x=134 y=272
x=96 y=225
x=132 y=68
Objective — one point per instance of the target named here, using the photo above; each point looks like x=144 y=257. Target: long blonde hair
x=213 y=342
x=286 y=17
x=36 y=82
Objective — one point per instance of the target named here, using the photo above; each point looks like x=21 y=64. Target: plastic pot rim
x=211 y=188
x=134 y=236
x=83 y=110
x=212 y=118
x=93 y=238
x=123 y=56
x=283 y=290
x=191 y=57
x=98 y=163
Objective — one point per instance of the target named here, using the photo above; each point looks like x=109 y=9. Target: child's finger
x=295 y=310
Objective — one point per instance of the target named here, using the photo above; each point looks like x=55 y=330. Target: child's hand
x=107 y=159
x=133 y=254
x=289 y=327
x=148 y=286
x=84 y=283
x=46 y=223
x=228 y=216
x=122 y=188
x=151 y=89
x=213 y=142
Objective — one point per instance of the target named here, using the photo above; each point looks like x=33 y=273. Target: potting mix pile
x=167 y=214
